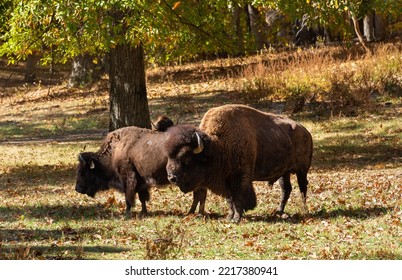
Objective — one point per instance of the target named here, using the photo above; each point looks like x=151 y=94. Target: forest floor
x=354 y=196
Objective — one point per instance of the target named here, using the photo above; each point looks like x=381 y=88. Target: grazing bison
x=234 y=146
x=130 y=159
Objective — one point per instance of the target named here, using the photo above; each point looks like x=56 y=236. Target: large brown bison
x=130 y=159
x=234 y=146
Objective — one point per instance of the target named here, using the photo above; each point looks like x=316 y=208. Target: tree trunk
x=236 y=23
x=128 y=94
x=82 y=71
x=30 y=66
x=255 y=26
x=368 y=27
x=379 y=26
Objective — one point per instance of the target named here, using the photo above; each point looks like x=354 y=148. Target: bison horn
x=200 y=145
x=92 y=165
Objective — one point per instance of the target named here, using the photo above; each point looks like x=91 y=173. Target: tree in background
x=128 y=31
x=121 y=30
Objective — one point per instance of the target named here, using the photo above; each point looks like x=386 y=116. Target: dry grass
x=316 y=76
x=355 y=191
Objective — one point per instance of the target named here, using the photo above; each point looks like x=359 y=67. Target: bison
x=129 y=160
x=162 y=123
x=234 y=146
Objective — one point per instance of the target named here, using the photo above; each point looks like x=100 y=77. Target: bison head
x=186 y=149
x=162 y=123
x=91 y=174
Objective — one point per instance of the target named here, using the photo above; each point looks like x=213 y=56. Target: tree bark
x=236 y=24
x=30 y=66
x=255 y=26
x=82 y=71
x=368 y=27
x=128 y=94
x=379 y=26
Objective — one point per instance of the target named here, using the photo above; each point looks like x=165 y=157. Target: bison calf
x=130 y=159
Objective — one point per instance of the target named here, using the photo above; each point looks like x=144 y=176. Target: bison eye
x=186 y=160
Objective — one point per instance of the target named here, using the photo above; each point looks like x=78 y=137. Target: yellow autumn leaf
x=176 y=5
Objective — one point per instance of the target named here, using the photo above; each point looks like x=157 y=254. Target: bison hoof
x=142 y=215
x=229 y=217
x=236 y=218
x=281 y=214
x=128 y=215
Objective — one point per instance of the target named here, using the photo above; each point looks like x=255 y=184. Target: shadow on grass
x=78 y=252
x=24 y=178
x=347 y=151
x=360 y=213
x=53 y=250
x=357 y=213
x=93 y=212
x=67 y=233
x=59 y=213
x=63 y=128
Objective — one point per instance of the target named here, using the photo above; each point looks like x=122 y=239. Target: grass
x=354 y=197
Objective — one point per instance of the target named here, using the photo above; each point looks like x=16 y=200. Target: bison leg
x=129 y=188
x=231 y=212
x=242 y=196
x=202 y=196
x=235 y=208
x=143 y=194
x=199 y=196
x=302 y=181
x=238 y=210
x=286 y=187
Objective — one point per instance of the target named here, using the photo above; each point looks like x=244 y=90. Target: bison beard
x=234 y=146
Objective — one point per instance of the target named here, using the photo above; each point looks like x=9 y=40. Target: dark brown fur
x=162 y=123
x=241 y=145
x=130 y=159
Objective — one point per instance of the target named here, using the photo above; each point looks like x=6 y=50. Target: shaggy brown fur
x=241 y=145
x=130 y=160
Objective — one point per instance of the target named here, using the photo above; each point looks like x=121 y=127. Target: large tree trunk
x=30 y=67
x=128 y=94
x=82 y=71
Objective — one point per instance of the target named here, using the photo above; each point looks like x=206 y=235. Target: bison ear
x=81 y=158
x=85 y=159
